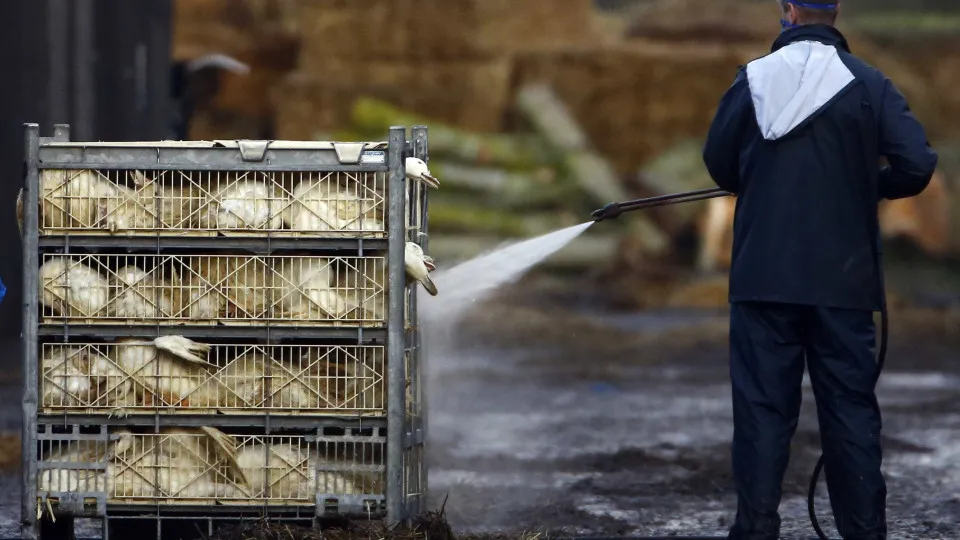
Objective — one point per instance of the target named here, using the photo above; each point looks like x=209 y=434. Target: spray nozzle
x=610 y=211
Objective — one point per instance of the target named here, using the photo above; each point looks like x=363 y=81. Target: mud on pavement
x=547 y=418
x=605 y=424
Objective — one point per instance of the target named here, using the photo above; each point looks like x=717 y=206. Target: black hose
x=881 y=358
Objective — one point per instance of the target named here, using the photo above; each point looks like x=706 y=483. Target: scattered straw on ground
x=429 y=526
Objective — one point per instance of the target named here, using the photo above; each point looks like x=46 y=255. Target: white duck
x=418 y=171
x=305 y=290
x=140 y=294
x=166 y=369
x=418 y=267
x=83 y=377
x=69 y=288
x=176 y=463
x=322 y=204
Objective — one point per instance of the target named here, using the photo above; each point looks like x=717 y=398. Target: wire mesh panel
x=414 y=404
x=203 y=289
x=202 y=466
x=184 y=202
x=414 y=480
x=174 y=375
x=71 y=469
x=415 y=208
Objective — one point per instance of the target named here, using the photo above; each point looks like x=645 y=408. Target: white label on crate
x=373 y=156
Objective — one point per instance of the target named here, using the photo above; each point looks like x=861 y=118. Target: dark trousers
x=768 y=343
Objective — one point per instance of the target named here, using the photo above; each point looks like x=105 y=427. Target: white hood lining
x=793 y=83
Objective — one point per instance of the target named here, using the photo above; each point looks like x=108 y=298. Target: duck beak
x=430 y=180
x=428 y=262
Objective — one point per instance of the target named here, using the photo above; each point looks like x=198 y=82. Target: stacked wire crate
x=220 y=328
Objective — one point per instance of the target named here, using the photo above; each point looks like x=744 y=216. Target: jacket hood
x=800 y=78
x=822 y=33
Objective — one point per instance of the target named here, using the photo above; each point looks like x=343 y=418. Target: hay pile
x=260 y=33
x=637 y=92
x=636 y=100
x=936 y=59
x=318 y=100
x=748 y=29
x=447 y=60
x=696 y=20
x=348 y=69
x=438 y=30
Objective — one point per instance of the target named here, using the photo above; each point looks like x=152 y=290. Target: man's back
x=798 y=138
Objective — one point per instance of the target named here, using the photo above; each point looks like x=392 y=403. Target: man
x=798 y=138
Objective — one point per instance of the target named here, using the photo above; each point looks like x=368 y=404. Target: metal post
x=419 y=135
x=29 y=525
x=396 y=398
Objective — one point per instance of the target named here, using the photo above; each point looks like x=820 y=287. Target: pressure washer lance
x=615 y=209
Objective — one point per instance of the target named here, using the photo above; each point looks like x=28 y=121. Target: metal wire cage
x=206 y=466
x=207 y=289
x=183 y=202
x=209 y=294
x=174 y=375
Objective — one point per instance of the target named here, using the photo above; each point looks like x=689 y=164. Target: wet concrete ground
x=628 y=434
x=603 y=424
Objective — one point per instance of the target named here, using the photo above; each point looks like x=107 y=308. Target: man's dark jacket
x=798 y=138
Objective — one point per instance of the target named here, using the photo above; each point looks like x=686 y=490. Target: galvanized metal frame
x=57 y=152
x=30 y=526
x=396 y=396
x=416 y=428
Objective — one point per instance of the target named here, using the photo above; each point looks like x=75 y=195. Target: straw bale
x=249 y=94
x=210 y=124
x=945 y=79
x=441 y=29
x=703 y=20
x=255 y=31
x=470 y=95
x=204 y=26
x=705 y=293
x=939 y=73
x=635 y=101
x=924 y=102
x=750 y=29
x=924 y=219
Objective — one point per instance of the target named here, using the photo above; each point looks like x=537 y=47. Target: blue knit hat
x=813 y=4
x=809 y=4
